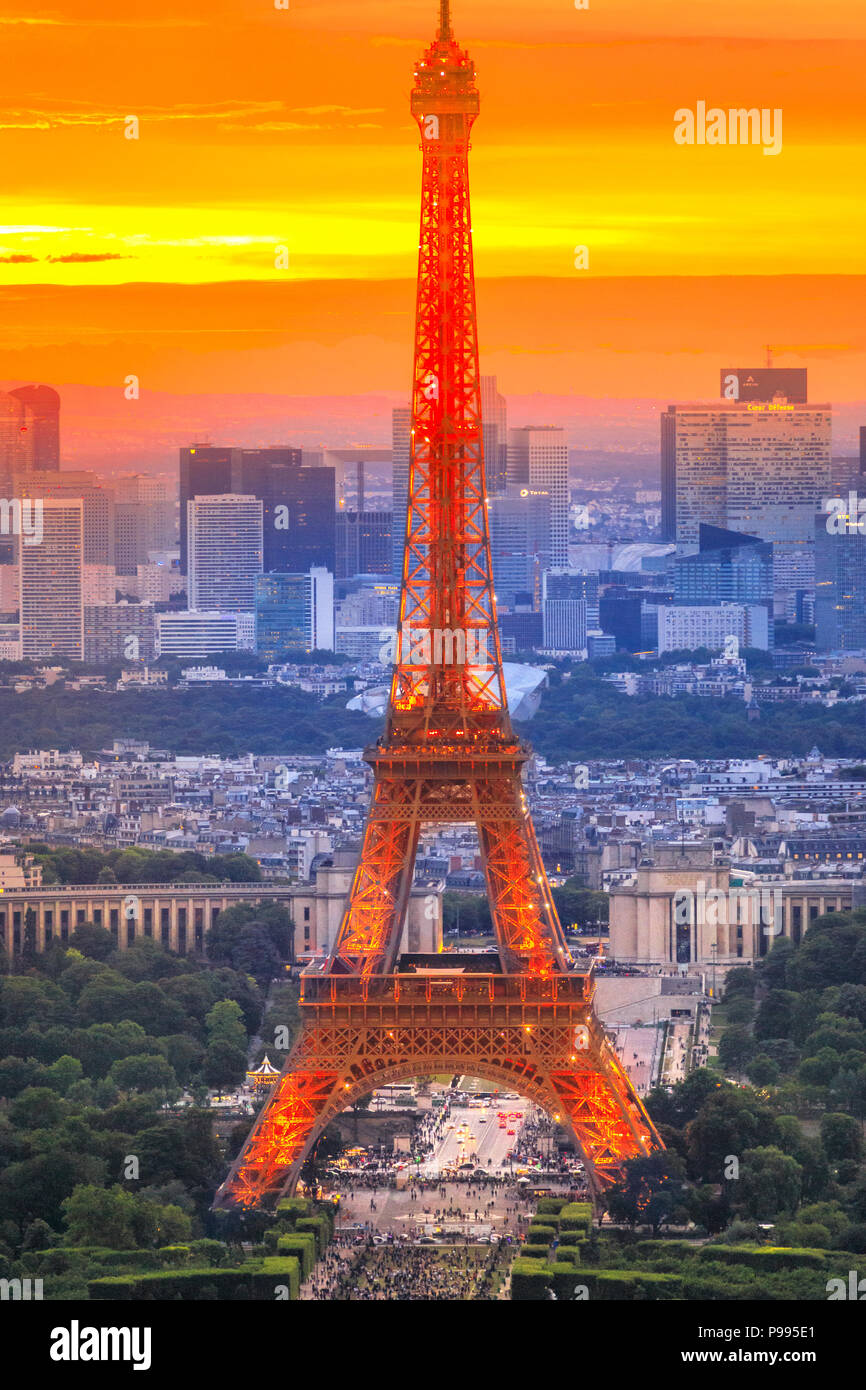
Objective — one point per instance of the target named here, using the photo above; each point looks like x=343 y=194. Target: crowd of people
x=414 y=1273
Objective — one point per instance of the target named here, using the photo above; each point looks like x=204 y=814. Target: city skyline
x=259 y=271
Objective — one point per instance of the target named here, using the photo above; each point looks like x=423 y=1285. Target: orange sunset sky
x=261 y=127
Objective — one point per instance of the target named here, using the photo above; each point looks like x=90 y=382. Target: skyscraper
x=520 y=542
x=17 y=437
x=840 y=584
x=205 y=471
x=494 y=425
x=225 y=552
x=294 y=613
x=43 y=403
x=401 y=446
x=538 y=458
x=365 y=543
x=52 y=618
x=298 y=501
x=730 y=567
x=759 y=468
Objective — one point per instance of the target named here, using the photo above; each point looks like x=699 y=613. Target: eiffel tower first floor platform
x=539 y=1037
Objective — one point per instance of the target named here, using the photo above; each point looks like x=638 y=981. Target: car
x=511 y=1134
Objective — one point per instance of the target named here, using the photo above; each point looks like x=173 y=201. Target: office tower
x=564 y=624
x=520 y=631
x=668 y=525
x=365 y=543
x=694 y=477
x=52 y=618
x=17 y=435
x=687 y=628
x=520 y=542
x=730 y=567
x=119 y=632
x=144 y=520
x=574 y=585
x=204 y=471
x=294 y=613
x=195 y=635
x=778 y=467
x=762 y=469
x=401 y=452
x=299 y=497
x=43 y=404
x=538 y=459
x=840 y=584
x=225 y=552
x=763 y=384
x=298 y=501
x=494 y=425
x=97 y=505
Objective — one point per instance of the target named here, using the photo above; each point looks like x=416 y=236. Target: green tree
x=770 y=1182
x=224 y=1023
x=842 y=1137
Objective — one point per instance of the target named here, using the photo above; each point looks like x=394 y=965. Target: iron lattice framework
x=448 y=754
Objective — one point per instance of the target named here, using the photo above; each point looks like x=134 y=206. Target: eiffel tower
x=525 y=1019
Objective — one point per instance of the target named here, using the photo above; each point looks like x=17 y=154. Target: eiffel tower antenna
x=445 y=34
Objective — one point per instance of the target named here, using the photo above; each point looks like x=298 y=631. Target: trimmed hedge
x=769 y=1258
x=631 y=1285
x=530 y=1280
x=650 y=1249
x=576 y=1216
x=539 y=1232
x=293 y=1207
x=301 y=1244
x=534 y=1252
x=321 y=1228
x=550 y=1206
x=245 y=1281
x=572 y=1238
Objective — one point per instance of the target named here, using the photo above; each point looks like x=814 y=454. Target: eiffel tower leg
x=369 y=934
x=524 y=916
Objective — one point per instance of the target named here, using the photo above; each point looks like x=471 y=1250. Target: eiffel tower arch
x=523 y=1016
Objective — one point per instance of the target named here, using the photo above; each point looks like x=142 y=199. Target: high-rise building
x=119 y=632
x=294 y=613
x=225 y=552
x=204 y=471
x=297 y=493
x=401 y=452
x=538 y=459
x=573 y=585
x=840 y=584
x=682 y=628
x=759 y=468
x=730 y=567
x=17 y=436
x=494 y=425
x=97 y=505
x=365 y=543
x=43 y=404
x=52 y=617
x=520 y=542
x=564 y=624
